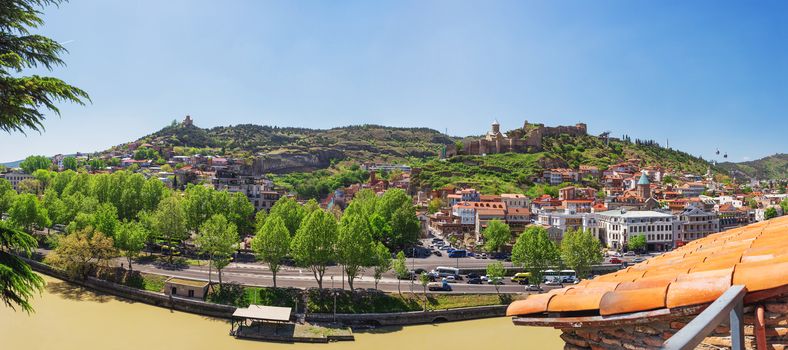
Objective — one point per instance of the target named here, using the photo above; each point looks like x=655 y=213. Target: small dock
x=269 y=323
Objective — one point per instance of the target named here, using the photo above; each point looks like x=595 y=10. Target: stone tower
x=644 y=187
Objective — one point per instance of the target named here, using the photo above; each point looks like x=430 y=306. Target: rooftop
x=634 y=214
x=695 y=274
x=186 y=282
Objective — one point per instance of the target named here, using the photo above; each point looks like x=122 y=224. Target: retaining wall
x=225 y=311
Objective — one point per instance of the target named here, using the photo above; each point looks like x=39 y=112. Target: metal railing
x=729 y=305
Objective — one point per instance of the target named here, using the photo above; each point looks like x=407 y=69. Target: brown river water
x=73 y=318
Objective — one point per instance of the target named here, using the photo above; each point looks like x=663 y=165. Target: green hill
x=768 y=168
x=314 y=162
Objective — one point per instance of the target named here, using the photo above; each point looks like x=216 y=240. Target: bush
x=228 y=294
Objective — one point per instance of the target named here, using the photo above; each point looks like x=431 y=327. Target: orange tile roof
x=696 y=273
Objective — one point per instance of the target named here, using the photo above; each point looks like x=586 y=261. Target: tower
x=644 y=187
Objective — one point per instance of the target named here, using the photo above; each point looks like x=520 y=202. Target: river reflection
x=68 y=317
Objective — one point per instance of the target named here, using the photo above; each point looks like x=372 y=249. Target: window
x=191 y=293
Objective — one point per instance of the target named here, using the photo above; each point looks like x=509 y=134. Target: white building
x=618 y=226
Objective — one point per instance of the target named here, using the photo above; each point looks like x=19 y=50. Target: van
x=521 y=277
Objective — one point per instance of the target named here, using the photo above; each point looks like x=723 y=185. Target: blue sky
x=705 y=74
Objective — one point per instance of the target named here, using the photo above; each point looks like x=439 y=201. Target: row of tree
x=362 y=237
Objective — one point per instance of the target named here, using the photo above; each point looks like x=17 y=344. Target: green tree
x=169 y=222
x=27 y=212
x=78 y=253
x=24 y=97
x=314 y=242
x=7 y=195
x=70 y=163
x=218 y=238
x=405 y=227
x=239 y=210
x=355 y=248
x=151 y=193
x=31 y=163
x=424 y=280
x=769 y=213
x=580 y=250
x=259 y=220
x=18 y=282
x=271 y=244
x=31 y=186
x=434 y=205
x=401 y=269
x=496 y=235
x=495 y=273
x=381 y=262
x=784 y=206
x=290 y=211
x=636 y=242
x=130 y=238
x=535 y=252
x=44 y=177
x=105 y=219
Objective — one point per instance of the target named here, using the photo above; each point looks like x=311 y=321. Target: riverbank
x=374 y=319
x=70 y=317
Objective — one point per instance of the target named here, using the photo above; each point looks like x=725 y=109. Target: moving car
x=615 y=260
x=629 y=253
x=521 y=277
x=533 y=288
x=437 y=286
x=474 y=280
x=638 y=260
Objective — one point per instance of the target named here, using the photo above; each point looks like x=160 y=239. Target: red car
x=615 y=261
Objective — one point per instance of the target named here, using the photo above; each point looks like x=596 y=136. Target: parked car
x=437 y=286
x=445 y=247
x=484 y=255
x=630 y=253
x=474 y=280
x=615 y=261
x=437 y=253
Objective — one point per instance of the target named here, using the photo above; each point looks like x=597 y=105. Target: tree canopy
x=580 y=250
x=313 y=245
x=496 y=235
x=25 y=98
x=271 y=244
x=535 y=252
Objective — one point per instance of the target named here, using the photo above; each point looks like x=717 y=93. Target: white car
x=450 y=279
x=484 y=278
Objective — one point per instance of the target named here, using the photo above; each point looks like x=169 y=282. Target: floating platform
x=294 y=333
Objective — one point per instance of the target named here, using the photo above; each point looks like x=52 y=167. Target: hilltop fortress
x=525 y=139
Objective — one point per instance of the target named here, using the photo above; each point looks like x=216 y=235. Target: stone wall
x=652 y=335
x=415 y=317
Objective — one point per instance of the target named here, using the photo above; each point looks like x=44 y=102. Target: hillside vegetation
x=363 y=143
x=773 y=167
x=314 y=162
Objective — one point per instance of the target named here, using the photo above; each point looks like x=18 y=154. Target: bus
x=458 y=253
x=567 y=276
x=550 y=275
x=441 y=271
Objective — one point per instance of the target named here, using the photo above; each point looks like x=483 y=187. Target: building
x=188 y=288
x=529 y=137
x=643 y=306
x=619 y=226
x=515 y=200
x=259 y=190
x=694 y=223
x=15 y=177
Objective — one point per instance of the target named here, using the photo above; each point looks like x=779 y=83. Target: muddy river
x=73 y=318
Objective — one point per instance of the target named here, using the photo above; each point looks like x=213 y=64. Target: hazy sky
x=704 y=74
